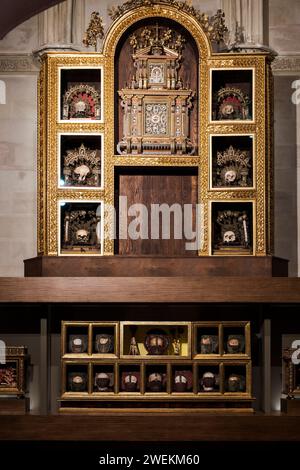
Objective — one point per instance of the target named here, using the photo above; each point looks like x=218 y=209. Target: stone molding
x=18 y=63
x=286 y=64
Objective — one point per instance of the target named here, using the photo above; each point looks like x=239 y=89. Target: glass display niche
x=232 y=95
x=81 y=161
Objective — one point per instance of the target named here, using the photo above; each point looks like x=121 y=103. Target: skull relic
x=229 y=237
x=235 y=344
x=236 y=383
x=157 y=342
x=82 y=236
x=209 y=344
x=131 y=382
x=181 y=383
x=81 y=172
x=102 y=382
x=208 y=382
x=227 y=110
x=104 y=343
x=77 y=381
x=155 y=382
x=78 y=343
x=80 y=106
x=230 y=176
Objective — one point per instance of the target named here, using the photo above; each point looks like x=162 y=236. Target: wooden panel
x=130 y=266
x=139 y=427
x=158 y=186
x=150 y=289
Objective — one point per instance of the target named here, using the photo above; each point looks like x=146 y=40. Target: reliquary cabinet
x=199 y=365
x=160 y=100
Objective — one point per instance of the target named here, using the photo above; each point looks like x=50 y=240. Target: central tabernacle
x=159 y=91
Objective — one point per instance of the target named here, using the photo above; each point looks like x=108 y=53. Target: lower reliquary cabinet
x=156 y=365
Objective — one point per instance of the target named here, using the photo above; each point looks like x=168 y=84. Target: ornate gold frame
x=18 y=356
x=48 y=192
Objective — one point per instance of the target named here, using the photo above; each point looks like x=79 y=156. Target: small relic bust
x=235 y=344
x=77 y=344
x=77 y=381
x=209 y=344
x=208 y=382
x=104 y=343
x=236 y=383
x=157 y=342
x=131 y=382
x=155 y=382
x=103 y=382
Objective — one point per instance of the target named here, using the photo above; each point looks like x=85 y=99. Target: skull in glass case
x=209 y=344
x=157 y=342
x=104 y=343
x=78 y=344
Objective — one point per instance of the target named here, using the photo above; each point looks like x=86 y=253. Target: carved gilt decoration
x=94 y=32
x=214 y=26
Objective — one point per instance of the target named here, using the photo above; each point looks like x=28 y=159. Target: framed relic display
x=232 y=95
x=225 y=339
x=95 y=339
x=81 y=227
x=81 y=94
x=232 y=228
x=232 y=163
x=150 y=340
x=291 y=374
x=13 y=371
x=80 y=165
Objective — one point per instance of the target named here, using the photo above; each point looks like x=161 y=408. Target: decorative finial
x=95 y=31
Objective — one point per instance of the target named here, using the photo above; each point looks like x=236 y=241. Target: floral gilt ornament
x=94 y=32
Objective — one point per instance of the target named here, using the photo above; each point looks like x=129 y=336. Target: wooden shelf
x=135 y=426
x=150 y=290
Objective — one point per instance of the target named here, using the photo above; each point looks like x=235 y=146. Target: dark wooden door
x=156 y=186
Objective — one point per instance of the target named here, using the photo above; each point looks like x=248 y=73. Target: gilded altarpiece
x=225 y=95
